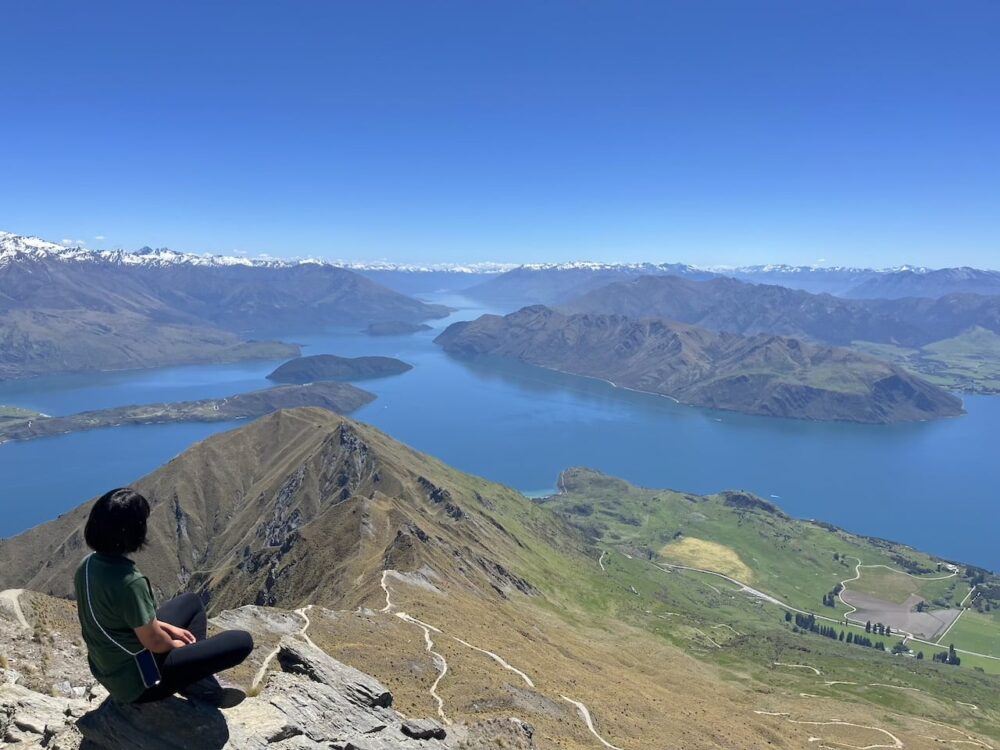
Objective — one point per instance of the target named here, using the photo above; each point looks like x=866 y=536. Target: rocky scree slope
x=307 y=700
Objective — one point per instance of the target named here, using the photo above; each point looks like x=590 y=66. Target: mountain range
x=558 y=283
x=739 y=307
x=68 y=309
x=763 y=374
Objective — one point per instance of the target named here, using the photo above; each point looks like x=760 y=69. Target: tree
x=920 y=655
x=888 y=630
x=868 y=626
x=850 y=637
x=953 y=658
x=841 y=635
x=788 y=616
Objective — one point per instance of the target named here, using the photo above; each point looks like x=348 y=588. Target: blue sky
x=711 y=132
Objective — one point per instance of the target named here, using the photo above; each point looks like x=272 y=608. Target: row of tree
x=808 y=623
x=878 y=628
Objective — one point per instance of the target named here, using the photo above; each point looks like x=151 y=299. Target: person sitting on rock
x=140 y=653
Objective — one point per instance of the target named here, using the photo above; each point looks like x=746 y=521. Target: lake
x=931 y=485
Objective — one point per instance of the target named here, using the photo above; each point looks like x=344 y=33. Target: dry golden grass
x=700 y=553
x=637 y=688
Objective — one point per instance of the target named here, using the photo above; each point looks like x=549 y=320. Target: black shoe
x=211 y=692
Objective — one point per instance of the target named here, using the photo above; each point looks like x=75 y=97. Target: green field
x=16 y=412
x=12 y=415
x=795 y=561
x=968 y=362
x=976 y=632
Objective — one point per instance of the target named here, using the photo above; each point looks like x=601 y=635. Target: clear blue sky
x=712 y=132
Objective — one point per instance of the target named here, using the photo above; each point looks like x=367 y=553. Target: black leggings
x=183 y=666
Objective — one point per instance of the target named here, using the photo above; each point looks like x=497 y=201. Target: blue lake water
x=932 y=485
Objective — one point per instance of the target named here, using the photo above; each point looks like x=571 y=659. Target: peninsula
x=336 y=397
x=765 y=374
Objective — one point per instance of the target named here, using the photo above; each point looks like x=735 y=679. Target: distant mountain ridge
x=743 y=308
x=70 y=309
x=851 y=281
x=764 y=375
x=556 y=283
x=924 y=282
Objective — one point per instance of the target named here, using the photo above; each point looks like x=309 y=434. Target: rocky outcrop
x=312 y=701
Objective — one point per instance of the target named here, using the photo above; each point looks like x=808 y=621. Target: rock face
x=764 y=374
x=311 y=701
x=320 y=367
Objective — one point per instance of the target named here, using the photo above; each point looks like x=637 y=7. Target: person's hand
x=178 y=644
x=178 y=634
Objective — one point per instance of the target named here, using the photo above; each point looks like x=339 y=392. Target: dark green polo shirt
x=122 y=600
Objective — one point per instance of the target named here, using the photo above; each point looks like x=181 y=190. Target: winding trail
x=798 y=666
x=262 y=672
x=439 y=659
x=301 y=612
x=499 y=660
x=969 y=739
x=705 y=635
x=585 y=715
x=385 y=588
x=724 y=625
x=600 y=561
x=843 y=588
x=12 y=598
x=897 y=743
x=894 y=687
x=443 y=664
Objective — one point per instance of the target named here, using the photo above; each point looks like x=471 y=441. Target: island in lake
x=336 y=397
x=764 y=374
x=396 y=328
x=320 y=367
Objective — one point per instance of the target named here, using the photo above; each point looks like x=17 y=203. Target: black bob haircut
x=117 y=522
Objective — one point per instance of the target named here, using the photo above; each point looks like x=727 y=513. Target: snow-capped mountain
x=20 y=247
x=486 y=267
